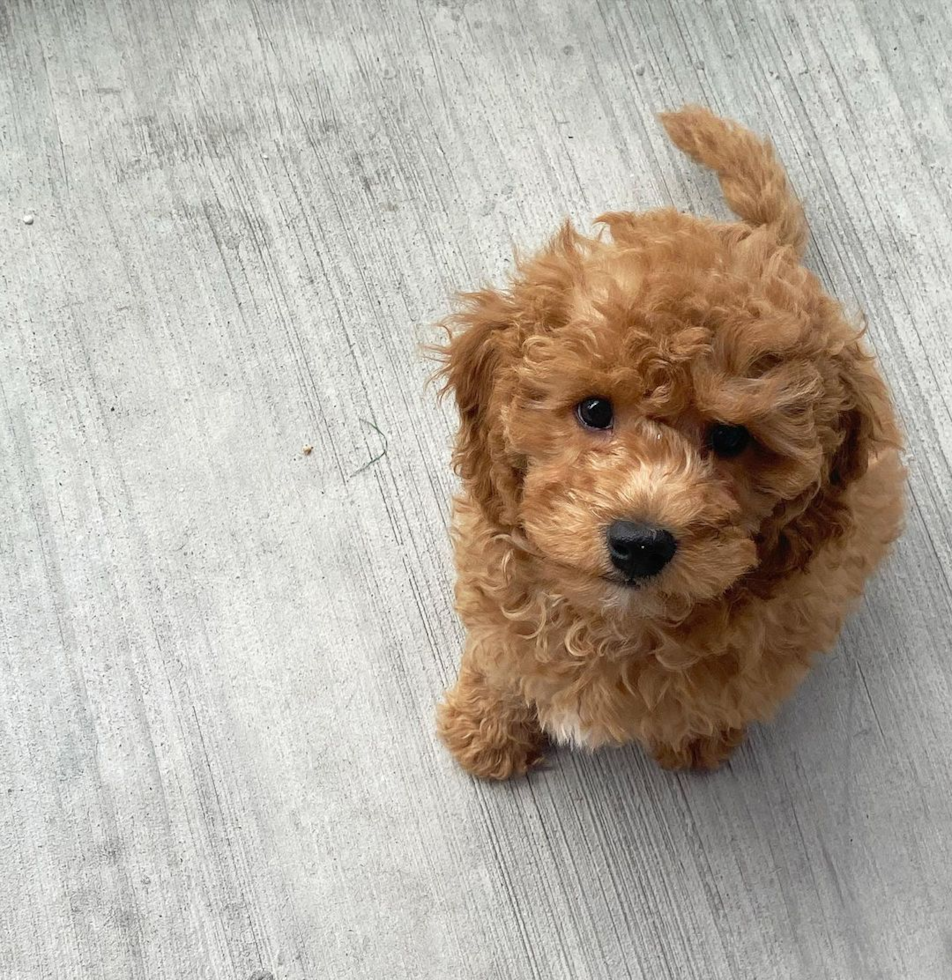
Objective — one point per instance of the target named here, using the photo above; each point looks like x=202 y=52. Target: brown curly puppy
x=679 y=468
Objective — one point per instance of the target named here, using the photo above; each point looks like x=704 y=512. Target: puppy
x=679 y=466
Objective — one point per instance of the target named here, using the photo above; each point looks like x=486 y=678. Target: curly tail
x=752 y=178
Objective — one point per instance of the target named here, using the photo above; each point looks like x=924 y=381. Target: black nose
x=640 y=550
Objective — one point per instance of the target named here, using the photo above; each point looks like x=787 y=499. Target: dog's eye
x=595 y=413
x=728 y=440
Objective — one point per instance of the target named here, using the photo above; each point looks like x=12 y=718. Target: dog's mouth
x=627 y=583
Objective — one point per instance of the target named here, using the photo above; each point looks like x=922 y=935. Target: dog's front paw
x=704 y=753
x=490 y=735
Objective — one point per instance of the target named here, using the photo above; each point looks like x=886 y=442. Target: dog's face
x=663 y=415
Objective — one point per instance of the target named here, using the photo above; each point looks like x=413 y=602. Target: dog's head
x=670 y=413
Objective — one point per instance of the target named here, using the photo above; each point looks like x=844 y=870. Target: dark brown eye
x=728 y=440
x=595 y=413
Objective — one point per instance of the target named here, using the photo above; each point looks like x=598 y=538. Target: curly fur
x=682 y=322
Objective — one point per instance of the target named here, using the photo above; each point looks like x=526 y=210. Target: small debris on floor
x=28 y=219
x=307 y=450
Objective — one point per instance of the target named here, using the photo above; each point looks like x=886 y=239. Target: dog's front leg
x=704 y=752
x=490 y=728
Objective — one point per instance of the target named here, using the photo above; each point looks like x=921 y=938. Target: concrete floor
x=219 y=657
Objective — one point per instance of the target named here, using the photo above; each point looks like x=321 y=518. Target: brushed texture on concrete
x=219 y=656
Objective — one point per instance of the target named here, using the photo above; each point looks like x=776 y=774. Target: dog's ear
x=474 y=369
x=866 y=416
x=864 y=426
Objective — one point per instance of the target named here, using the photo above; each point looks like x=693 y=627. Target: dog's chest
x=590 y=715
x=565 y=726
x=608 y=703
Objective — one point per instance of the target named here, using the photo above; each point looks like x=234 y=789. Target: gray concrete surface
x=219 y=657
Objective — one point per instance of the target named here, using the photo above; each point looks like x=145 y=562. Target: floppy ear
x=865 y=425
x=867 y=420
x=475 y=358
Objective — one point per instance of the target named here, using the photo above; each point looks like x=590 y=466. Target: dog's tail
x=752 y=178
